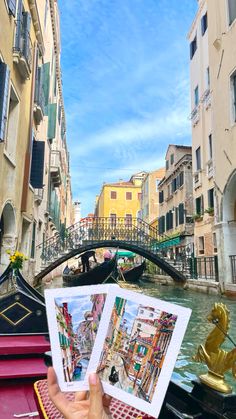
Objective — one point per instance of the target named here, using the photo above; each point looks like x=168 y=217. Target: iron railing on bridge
x=97 y=229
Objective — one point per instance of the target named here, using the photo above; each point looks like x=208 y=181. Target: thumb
x=96 y=393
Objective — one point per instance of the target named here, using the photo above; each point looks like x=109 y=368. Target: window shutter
x=4 y=94
x=232 y=10
x=12 y=7
x=18 y=34
x=46 y=81
x=37 y=164
x=26 y=34
x=52 y=114
x=181 y=213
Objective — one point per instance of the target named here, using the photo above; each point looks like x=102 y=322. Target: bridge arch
x=147 y=254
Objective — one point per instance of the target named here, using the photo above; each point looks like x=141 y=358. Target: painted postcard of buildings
x=135 y=347
x=77 y=319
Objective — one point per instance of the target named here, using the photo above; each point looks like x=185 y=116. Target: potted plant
x=210 y=210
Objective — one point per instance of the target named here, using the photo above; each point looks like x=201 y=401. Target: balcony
x=197 y=179
x=210 y=169
x=195 y=116
x=38 y=195
x=207 y=99
x=39 y=99
x=55 y=167
x=22 y=50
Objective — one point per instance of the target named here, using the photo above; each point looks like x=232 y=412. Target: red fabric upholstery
x=19 y=345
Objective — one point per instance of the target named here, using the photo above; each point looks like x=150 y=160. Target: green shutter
x=4 y=94
x=52 y=115
x=46 y=82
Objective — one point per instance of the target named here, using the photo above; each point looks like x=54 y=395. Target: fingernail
x=93 y=379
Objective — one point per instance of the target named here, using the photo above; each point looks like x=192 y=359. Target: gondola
x=134 y=274
x=98 y=275
x=22 y=308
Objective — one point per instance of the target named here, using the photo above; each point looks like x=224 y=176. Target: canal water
x=198 y=328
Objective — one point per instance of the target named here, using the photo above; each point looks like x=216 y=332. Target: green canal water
x=198 y=328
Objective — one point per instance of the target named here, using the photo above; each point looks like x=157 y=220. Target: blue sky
x=125 y=70
x=77 y=306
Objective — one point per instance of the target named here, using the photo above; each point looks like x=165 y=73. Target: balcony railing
x=207 y=99
x=197 y=179
x=22 y=49
x=55 y=167
x=209 y=169
x=38 y=195
x=195 y=115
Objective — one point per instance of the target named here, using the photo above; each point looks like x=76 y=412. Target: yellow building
x=120 y=199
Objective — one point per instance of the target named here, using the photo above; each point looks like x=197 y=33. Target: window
x=208 y=77
x=22 y=45
x=161 y=197
x=196 y=96
x=198 y=159
x=193 y=47
x=113 y=195
x=139 y=196
x=169 y=220
x=151 y=315
x=167 y=164
x=210 y=146
x=13 y=115
x=214 y=242
x=128 y=219
x=181 y=213
x=204 y=23
x=201 y=245
x=37 y=164
x=169 y=190
x=141 y=311
x=32 y=253
x=113 y=219
x=176 y=216
x=181 y=179
x=173 y=185
x=171 y=158
x=210 y=194
x=199 y=206
x=232 y=10
x=128 y=196
x=233 y=87
x=161 y=224
x=4 y=95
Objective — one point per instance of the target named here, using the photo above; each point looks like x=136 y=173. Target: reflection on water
x=198 y=328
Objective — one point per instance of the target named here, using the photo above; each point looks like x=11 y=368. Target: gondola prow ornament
x=217 y=360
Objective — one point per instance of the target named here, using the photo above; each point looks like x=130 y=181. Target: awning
x=126 y=254
x=167 y=243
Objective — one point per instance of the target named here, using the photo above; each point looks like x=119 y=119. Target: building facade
x=213 y=64
x=35 y=197
x=150 y=195
x=121 y=199
x=176 y=202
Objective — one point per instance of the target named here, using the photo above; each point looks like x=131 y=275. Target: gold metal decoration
x=217 y=360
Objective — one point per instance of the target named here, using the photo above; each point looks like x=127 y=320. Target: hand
x=94 y=407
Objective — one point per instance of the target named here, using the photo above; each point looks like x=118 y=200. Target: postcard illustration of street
x=135 y=347
x=77 y=321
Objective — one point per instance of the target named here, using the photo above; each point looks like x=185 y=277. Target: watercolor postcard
x=73 y=320
x=140 y=338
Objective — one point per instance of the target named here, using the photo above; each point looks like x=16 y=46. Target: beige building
x=34 y=161
x=150 y=196
x=213 y=70
x=175 y=202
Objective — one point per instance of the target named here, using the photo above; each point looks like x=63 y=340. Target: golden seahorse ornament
x=217 y=360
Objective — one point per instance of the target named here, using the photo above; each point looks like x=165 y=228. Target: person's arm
x=94 y=407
